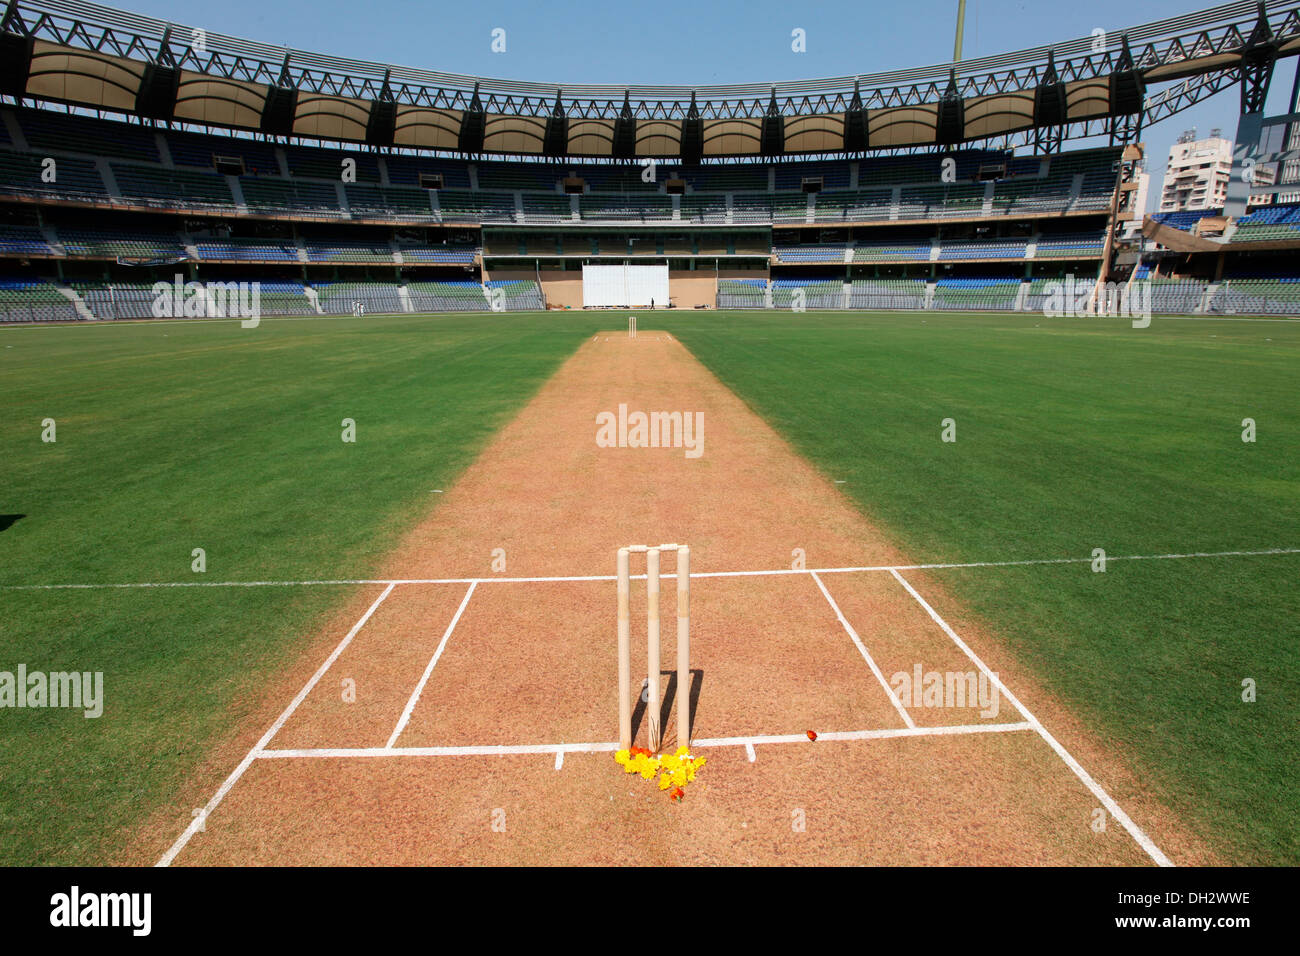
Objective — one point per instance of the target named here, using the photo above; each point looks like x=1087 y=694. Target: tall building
x=1196 y=176
x=1131 y=215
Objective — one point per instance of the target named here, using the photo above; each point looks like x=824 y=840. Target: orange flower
x=677 y=794
x=812 y=734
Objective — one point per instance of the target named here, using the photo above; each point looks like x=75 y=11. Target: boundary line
x=260 y=747
x=610 y=746
x=1111 y=806
x=428 y=671
x=545 y=579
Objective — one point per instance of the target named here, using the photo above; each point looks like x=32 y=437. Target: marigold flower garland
x=675 y=770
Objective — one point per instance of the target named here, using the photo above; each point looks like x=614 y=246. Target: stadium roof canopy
x=97 y=57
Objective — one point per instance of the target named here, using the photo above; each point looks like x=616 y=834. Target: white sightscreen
x=625 y=285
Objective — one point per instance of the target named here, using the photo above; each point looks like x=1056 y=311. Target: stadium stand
x=382 y=202
x=516 y=295
x=247 y=250
x=853 y=207
x=548 y=208
x=887 y=294
x=1037 y=295
x=287 y=197
x=111 y=244
x=708 y=208
x=313 y=162
x=457 y=296
x=48 y=132
x=25 y=299
x=1079 y=246
x=75 y=179
x=1257 y=296
x=1177 y=296
x=742 y=293
x=1185 y=220
x=285 y=298
x=154 y=185
x=24 y=241
x=511 y=176
x=375 y=252
x=442 y=222
x=808 y=293
x=408 y=170
x=466 y=206
x=970 y=295
x=829 y=252
x=1271 y=222
x=201 y=150
x=438 y=255
x=341 y=298
x=988 y=249
x=647 y=208
x=118 y=300
x=892 y=252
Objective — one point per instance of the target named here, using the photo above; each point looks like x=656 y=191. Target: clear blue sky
x=718 y=41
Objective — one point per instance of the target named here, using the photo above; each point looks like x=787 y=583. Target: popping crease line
x=610 y=746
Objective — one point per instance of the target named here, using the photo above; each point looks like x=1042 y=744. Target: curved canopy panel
x=903 y=126
x=514 y=134
x=215 y=101
x=591 y=137
x=732 y=137
x=84 y=77
x=815 y=134
x=331 y=117
x=658 y=138
x=1001 y=113
x=85 y=54
x=1085 y=99
x=423 y=128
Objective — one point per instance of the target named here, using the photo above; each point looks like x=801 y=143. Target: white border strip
x=260 y=747
x=1114 y=808
x=893 y=698
x=506 y=750
x=641 y=577
x=428 y=671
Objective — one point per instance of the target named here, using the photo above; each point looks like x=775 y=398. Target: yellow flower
x=674 y=770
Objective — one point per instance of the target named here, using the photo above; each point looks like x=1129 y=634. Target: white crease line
x=1114 y=808
x=260 y=747
x=559 y=759
x=749 y=752
x=507 y=750
x=486 y=750
x=898 y=705
x=641 y=577
x=433 y=661
x=884 y=733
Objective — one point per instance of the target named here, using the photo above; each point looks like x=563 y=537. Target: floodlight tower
x=961 y=28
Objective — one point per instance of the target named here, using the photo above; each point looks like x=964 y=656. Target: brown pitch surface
x=534 y=663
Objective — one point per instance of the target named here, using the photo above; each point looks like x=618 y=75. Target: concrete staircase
x=78 y=303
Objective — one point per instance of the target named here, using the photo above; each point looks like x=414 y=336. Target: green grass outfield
x=180 y=435
x=1071 y=435
x=1074 y=434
